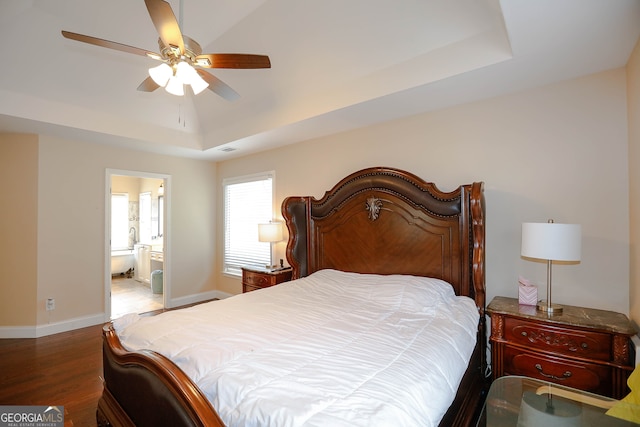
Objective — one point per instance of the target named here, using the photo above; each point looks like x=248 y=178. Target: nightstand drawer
x=249 y=288
x=258 y=280
x=573 y=342
x=584 y=348
x=254 y=279
x=585 y=376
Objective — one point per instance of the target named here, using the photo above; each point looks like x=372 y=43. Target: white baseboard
x=17 y=332
x=38 y=331
x=50 y=328
x=196 y=298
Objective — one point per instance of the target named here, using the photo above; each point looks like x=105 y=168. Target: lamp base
x=553 y=309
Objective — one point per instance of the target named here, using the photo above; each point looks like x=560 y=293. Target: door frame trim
x=166 y=235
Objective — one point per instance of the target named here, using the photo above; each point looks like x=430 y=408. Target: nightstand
x=256 y=278
x=582 y=348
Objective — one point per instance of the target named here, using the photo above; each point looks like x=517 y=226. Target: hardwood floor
x=57 y=370
x=62 y=369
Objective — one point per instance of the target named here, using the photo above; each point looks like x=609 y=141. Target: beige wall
x=18 y=229
x=126 y=184
x=64 y=188
x=558 y=152
x=633 y=106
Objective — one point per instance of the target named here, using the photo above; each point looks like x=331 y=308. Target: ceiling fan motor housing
x=192 y=49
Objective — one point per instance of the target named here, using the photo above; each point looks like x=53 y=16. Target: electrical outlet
x=51 y=304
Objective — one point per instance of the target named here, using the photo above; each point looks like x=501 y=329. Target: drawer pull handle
x=523 y=333
x=584 y=345
x=564 y=376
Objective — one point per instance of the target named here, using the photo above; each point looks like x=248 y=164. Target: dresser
x=256 y=278
x=583 y=348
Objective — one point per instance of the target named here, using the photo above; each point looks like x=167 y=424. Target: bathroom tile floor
x=131 y=296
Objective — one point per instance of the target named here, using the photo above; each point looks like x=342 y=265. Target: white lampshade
x=198 y=84
x=175 y=86
x=184 y=72
x=161 y=74
x=551 y=241
x=271 y=232
x=185 y=75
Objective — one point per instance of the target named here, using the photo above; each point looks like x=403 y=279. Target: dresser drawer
x=572 y=342
x=585 y=376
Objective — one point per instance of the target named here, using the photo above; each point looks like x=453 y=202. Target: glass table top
x=523 y=402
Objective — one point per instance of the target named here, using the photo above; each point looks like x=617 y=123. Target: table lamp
x=270 y=232
x=552 y=242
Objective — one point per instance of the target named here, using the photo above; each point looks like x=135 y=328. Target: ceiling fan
x=183 y=62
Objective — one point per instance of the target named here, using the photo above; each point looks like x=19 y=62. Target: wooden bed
x=377 y=220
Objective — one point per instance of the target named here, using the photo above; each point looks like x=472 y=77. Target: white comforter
x=331 y=349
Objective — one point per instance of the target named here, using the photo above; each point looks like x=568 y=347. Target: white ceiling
x=336 y=65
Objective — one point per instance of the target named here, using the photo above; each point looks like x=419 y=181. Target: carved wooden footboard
x=146 y=389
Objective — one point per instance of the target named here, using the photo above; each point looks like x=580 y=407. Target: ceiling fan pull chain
x=180 y=119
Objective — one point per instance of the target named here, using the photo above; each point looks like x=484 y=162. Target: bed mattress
x=333 y=348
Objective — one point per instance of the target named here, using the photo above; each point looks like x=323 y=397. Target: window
x=248 y=201
x=119 y=221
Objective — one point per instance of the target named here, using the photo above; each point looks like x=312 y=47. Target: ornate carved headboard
x=388 y=221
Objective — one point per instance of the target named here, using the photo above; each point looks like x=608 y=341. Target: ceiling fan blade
x=166 y=23
x=218 y=86
x=109 y=44
x=232 y=60
x=148 y=85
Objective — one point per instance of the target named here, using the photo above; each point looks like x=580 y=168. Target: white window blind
x=119 y=221
x=248 y=201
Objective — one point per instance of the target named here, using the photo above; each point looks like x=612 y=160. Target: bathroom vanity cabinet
x=148 y=259
x=143 y=263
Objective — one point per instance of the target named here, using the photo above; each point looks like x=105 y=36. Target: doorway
x=137 y=242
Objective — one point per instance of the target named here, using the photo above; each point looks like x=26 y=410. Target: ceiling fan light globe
x=198 y=84
x=175 y=86
x=161 y=74
x=185 y=72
